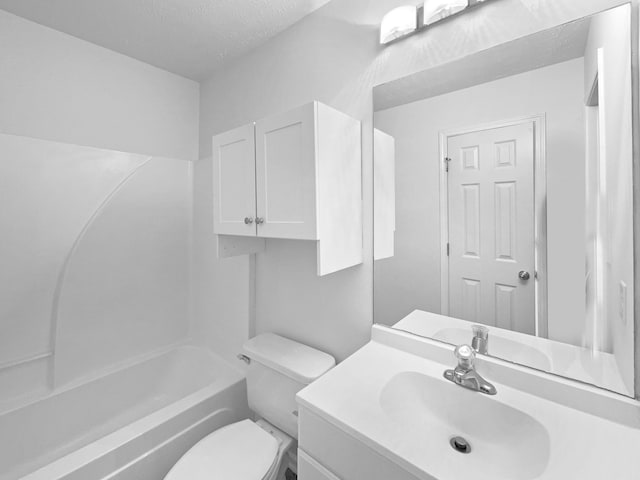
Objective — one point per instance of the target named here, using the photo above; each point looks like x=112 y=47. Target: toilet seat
x=242 y=451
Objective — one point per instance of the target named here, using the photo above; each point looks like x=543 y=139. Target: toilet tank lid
x=299 y=362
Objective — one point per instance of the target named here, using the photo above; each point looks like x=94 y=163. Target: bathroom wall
x=56 y=87
x=223 y=302
x=95 y=241
x=332 y=55
x=411 y=278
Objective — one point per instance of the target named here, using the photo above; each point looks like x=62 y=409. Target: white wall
x=222 y=303
x=332 y=56
x=56 y=87
x=411 y=278
x=116 y=223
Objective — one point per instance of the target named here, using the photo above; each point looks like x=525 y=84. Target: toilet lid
x=241 y=451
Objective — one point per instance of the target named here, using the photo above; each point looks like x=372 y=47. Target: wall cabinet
x=294 y=175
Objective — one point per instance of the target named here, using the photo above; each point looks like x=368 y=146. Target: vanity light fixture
x=405 y=20
x=435 y=10
x=399 y=22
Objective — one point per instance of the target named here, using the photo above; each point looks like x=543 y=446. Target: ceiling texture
x=191 y=38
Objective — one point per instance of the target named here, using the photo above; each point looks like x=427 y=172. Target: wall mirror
x=504 y=198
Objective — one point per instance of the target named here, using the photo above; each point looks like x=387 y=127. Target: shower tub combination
x=133 y=423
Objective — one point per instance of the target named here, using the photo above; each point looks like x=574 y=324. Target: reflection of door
x=491 y=221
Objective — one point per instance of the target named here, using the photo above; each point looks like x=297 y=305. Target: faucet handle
x=465 y=355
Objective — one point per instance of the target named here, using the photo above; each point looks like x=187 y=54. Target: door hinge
x=447 y=249
x=447 y=160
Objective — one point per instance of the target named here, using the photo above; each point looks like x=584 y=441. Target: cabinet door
x=309 y=469
x=286 y=174
x=234 y=182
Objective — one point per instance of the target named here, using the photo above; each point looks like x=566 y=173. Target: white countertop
x=582 y=446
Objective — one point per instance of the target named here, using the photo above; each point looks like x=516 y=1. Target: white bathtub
x=133 y=423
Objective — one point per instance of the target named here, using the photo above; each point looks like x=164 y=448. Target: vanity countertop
x=576 y=444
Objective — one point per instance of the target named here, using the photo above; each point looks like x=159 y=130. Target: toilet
x=255 y=450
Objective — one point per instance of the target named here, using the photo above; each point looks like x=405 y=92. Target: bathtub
x=133 y=423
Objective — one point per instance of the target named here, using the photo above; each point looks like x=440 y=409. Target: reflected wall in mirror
x=504 y=197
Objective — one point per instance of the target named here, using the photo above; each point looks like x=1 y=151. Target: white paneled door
x=490 y=184
x=234 y=182
x=286 y=174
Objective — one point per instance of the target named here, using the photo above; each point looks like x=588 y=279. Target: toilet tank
x=279 y=368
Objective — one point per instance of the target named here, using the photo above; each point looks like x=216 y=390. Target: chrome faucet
x=465 y=374
x=480 y=340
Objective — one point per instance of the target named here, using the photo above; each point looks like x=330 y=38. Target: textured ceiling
x=189 y=37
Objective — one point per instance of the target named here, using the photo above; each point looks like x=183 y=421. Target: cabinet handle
x=259 y=221
x=248 y=220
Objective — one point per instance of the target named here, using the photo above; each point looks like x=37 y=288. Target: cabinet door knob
x=248 y=220
x=259 y=221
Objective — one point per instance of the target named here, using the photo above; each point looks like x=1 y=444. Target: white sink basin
x=498 y=347
x=505 y=442
x=392 y=397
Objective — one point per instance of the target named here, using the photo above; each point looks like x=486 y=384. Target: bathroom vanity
x=395 y=417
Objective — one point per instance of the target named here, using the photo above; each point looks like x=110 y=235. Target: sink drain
x=459 y=444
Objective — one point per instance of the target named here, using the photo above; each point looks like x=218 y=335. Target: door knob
x=248 y=220
x=259 y=221
x=522 y=275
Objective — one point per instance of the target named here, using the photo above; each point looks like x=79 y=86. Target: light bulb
x=436 y=10
x=398 y=22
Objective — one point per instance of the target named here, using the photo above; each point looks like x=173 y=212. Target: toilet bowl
x=245 y=450
x=248 y=450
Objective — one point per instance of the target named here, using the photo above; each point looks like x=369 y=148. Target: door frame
x=540 y=211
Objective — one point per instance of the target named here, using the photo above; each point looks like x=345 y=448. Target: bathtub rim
x=84 y=456
x=18 y=403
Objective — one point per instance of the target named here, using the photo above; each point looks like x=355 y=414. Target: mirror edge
x=635 y=89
